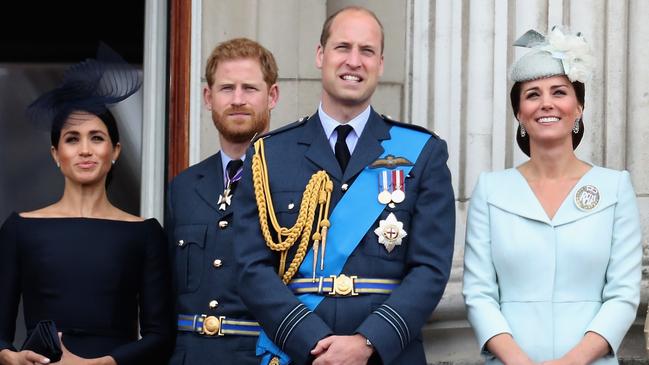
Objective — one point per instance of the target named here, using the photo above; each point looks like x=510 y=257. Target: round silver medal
x=398 y=196
x=587 y=197
x=385 y=197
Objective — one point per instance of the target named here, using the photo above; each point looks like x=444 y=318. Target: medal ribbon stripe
x=359 y=205
x=237 y=176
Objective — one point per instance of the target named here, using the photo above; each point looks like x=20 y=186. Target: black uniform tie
x=341 y=149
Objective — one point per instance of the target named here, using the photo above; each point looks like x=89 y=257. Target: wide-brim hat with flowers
x=558 y=53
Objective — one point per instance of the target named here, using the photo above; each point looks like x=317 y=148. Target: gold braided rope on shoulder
x=317 y=194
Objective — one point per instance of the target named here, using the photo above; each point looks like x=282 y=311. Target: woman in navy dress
x=100 y=273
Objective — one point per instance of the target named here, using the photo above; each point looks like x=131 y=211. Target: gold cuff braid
x=317 y=195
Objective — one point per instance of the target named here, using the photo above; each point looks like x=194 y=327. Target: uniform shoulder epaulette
x=419 y=128
x=285 y=128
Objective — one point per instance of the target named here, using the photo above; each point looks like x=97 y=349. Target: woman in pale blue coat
x=553 y=247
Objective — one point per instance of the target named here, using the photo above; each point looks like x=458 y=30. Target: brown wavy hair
x=242 y=48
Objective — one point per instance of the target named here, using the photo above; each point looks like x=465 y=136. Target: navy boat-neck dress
x=104 y=283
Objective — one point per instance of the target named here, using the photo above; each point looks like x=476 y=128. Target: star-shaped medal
x=225 y=199
x=390 y=232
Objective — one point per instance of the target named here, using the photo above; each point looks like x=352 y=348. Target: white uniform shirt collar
x=329 y=125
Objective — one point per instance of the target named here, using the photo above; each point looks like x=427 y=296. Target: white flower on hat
x=574 y=53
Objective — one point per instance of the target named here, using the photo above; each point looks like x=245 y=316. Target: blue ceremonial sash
x=350 y=220
x=358 y=209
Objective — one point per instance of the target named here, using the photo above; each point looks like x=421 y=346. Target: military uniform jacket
x=201 y=242
x=422 y=262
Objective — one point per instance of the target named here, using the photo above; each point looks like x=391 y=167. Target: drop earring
x=523 y=131
x=575 y=128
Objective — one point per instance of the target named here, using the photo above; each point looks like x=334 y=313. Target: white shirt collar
x=358 y=123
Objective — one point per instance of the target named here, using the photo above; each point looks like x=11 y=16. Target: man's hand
x=342 y=350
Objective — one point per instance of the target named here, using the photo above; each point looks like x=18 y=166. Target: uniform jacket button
x=217 y=263
x=213 y=304
x=223 y=224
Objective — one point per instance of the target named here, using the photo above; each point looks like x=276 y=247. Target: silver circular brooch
x=587 y=197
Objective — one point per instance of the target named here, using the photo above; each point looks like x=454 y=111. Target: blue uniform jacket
x=391 y=322
x=203 y=264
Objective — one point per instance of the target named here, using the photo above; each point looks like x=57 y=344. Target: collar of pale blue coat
x=518 y=198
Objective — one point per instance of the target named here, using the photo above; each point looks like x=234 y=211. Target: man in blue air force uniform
x=363 y=250
x=214 y=326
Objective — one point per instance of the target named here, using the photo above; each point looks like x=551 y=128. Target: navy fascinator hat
x=88 y=86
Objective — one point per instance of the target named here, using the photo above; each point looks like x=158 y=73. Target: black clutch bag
x=44 y=340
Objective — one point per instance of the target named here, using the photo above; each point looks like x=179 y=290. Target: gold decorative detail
x=385 y=197
x=274 y=361
x=317 y=195
x=390 y=162
x=343 y=285
x=211 y=325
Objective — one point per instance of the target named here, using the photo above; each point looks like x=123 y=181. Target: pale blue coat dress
x=549 y=281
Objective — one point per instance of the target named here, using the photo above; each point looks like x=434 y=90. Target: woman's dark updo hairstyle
x=515 y=98
x=105 y=116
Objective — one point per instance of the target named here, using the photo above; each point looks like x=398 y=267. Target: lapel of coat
x=511 y=193
x=319 y=151
x=368 y=148
x=210 y=183
x=514 y=195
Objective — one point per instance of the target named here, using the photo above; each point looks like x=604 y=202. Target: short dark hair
x=515 y=99
x=326 y=27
